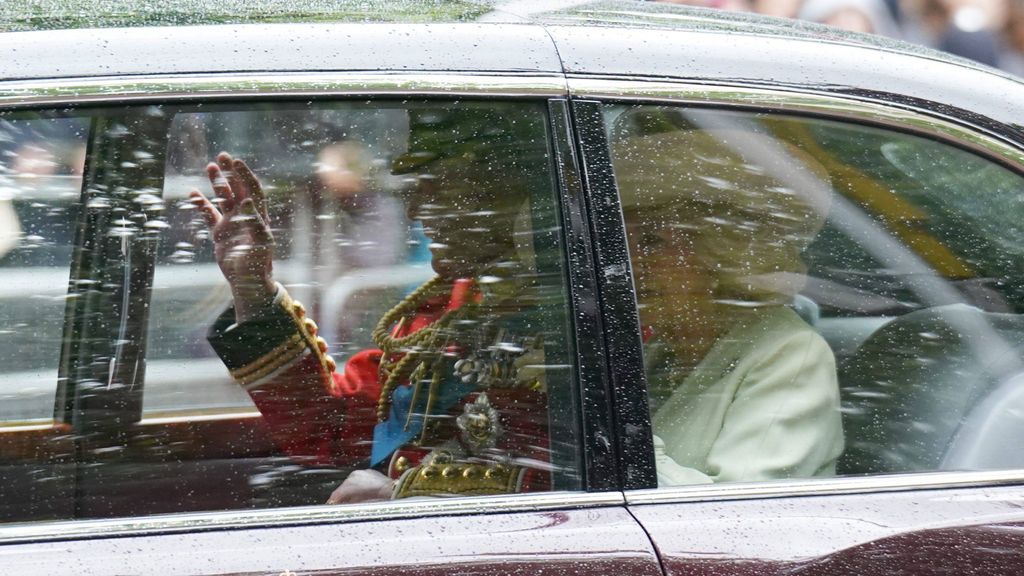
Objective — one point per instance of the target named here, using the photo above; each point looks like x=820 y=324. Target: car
x=760 y=293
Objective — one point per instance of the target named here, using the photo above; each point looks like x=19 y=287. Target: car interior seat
x=928 y=388
x=807 y=309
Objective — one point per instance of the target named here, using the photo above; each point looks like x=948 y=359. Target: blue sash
x=392 y=433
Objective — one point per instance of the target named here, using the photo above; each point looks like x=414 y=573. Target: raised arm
x=243 y=243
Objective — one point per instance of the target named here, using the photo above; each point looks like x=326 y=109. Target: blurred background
x=986 y=31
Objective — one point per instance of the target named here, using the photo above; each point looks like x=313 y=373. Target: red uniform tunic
x=320 y=415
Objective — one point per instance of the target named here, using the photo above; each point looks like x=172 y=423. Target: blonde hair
x=750 y=203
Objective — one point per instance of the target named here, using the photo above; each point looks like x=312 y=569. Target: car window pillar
x=102 y=367
x=597 y=420
x=616 y=299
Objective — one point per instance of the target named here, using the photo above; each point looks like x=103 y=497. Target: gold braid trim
x=459 y=479
x=381 y=333
x=304 y=338
x=308 y=329
x=270 y=361
x=421 y=351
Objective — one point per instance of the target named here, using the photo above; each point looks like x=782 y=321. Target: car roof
x=606 y=38
x=67 y=15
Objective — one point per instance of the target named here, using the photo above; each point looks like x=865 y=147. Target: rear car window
x=820 y=298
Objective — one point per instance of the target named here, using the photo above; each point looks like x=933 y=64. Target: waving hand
x=243 y=243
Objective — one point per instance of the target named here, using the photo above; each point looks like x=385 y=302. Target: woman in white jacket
x=718 y=212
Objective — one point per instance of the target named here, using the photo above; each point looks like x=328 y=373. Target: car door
x=827 y=324
x=153 y=449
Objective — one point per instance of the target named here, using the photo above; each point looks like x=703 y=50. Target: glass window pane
x=41 y=163
x=41 y=160
x=423 y=239
x=819 y=298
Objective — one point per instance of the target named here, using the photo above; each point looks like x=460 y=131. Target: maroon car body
x=81 y=513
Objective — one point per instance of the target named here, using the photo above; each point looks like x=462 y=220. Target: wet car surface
x=684 y=190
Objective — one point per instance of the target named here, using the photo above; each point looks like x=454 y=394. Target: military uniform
x=447 y=405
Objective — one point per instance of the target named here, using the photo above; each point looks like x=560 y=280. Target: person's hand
x=243 y=244
x=363 y=486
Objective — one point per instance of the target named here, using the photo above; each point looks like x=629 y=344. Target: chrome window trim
x=135 y=89
x=305 y=515
x=825 y=486
x=787 y=99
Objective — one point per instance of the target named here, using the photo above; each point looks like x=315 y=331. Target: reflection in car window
x=340 y=233
x=41 y=161
x=717 y=215
x=424 y=239
x=819 y=297
x=421 y=239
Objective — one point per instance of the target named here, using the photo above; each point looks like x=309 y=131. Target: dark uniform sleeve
x=315 y=413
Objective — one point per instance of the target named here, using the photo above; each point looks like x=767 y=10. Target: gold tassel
x=389 y=386
x=417 y=380
x=435 y=383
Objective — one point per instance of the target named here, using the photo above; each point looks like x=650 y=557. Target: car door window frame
x=957 y=128
x=118 y=256
x=601 y=477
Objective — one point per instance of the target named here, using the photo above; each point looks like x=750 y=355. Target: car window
x=414 y=341
x=819 y=298
x=42 y=158
x=41 y=161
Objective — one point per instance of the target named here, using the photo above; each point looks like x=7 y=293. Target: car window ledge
x=825 y=486
x=306 y=515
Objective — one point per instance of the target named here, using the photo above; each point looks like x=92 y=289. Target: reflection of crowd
x=33 y=154
x=988 y=31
